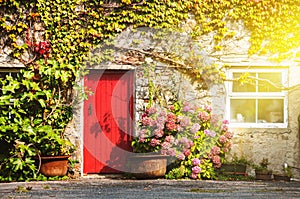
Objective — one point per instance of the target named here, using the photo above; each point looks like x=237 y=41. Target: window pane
x=245 y=87
x=270 y=110
x=264 y=86
x=242 y=110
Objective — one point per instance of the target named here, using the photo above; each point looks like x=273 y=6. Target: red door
x=108 y=121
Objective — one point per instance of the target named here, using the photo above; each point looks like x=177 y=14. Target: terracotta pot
x=148 y=166
x=54 y=165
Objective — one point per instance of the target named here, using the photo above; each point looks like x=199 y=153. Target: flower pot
x=54 y=165
x=233 y=168
x=148 y=166
x=281 y=178
x=263 y=175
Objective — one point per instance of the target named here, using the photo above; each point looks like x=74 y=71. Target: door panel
x=108 y=121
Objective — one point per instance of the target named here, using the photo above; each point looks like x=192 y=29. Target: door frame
x=81 y=106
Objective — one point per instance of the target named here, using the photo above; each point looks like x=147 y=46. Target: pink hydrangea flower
x=222 y=139
x=158 y=133
x=171 y=116
x=208 y=108
x=163 y=113
x=181 y=156
x=194 y=175
x=196 y=137
x=160 y=119
x=216 y=159
x=224 y=127
x=165 y=145
x=196 y=162
x=187 y=152
x=204 y=116
x=171 y=108
x=151 y=110
x=225 y=150
x=170 y=139
x=171 y=126
x=196 y=169
x=142 y=139
x=225 y=122
x=142 y=135
x=164 y=152
x=229 y=135
x=215 y=150
x=146 y=121
x=154 y=142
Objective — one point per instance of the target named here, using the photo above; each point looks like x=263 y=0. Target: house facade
x=263 y=114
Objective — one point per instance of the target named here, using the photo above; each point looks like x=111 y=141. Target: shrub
x=194 y=137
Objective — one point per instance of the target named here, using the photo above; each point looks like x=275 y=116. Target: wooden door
x=108 y=122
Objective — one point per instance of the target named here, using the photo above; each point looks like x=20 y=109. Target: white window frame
x=275 y=95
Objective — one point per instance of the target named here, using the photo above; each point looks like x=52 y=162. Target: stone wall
x=279 y=145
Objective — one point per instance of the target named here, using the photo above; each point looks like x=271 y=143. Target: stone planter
x=146 y=166
x=51 y=166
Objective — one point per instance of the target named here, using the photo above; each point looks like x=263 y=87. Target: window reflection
x=242 y=110
x=264 y=86
x=246 y=87
x=270 y=110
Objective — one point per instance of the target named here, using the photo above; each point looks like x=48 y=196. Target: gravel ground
x=161 y=188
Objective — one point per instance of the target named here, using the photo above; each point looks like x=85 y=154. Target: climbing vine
x=52 y=39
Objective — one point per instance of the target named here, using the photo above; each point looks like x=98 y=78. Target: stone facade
x=279 y=145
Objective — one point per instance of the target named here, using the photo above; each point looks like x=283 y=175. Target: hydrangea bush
x=194 y=137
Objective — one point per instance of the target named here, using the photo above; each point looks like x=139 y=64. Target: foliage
x=53 y=38
x=288 y=171
x=32 y=122
x=238 y=160
x=262 y=166
x=192 y=135
x=234 y=177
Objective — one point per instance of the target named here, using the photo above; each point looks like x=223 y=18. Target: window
x=260 y=102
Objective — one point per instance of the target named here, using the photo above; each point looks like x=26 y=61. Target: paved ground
x=124 y=188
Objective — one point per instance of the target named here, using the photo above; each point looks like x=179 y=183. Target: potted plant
x=188 y=135
x=148 y=161
x=236 y=166
x=286 y=175
x=53 y=150
x=262 y=172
